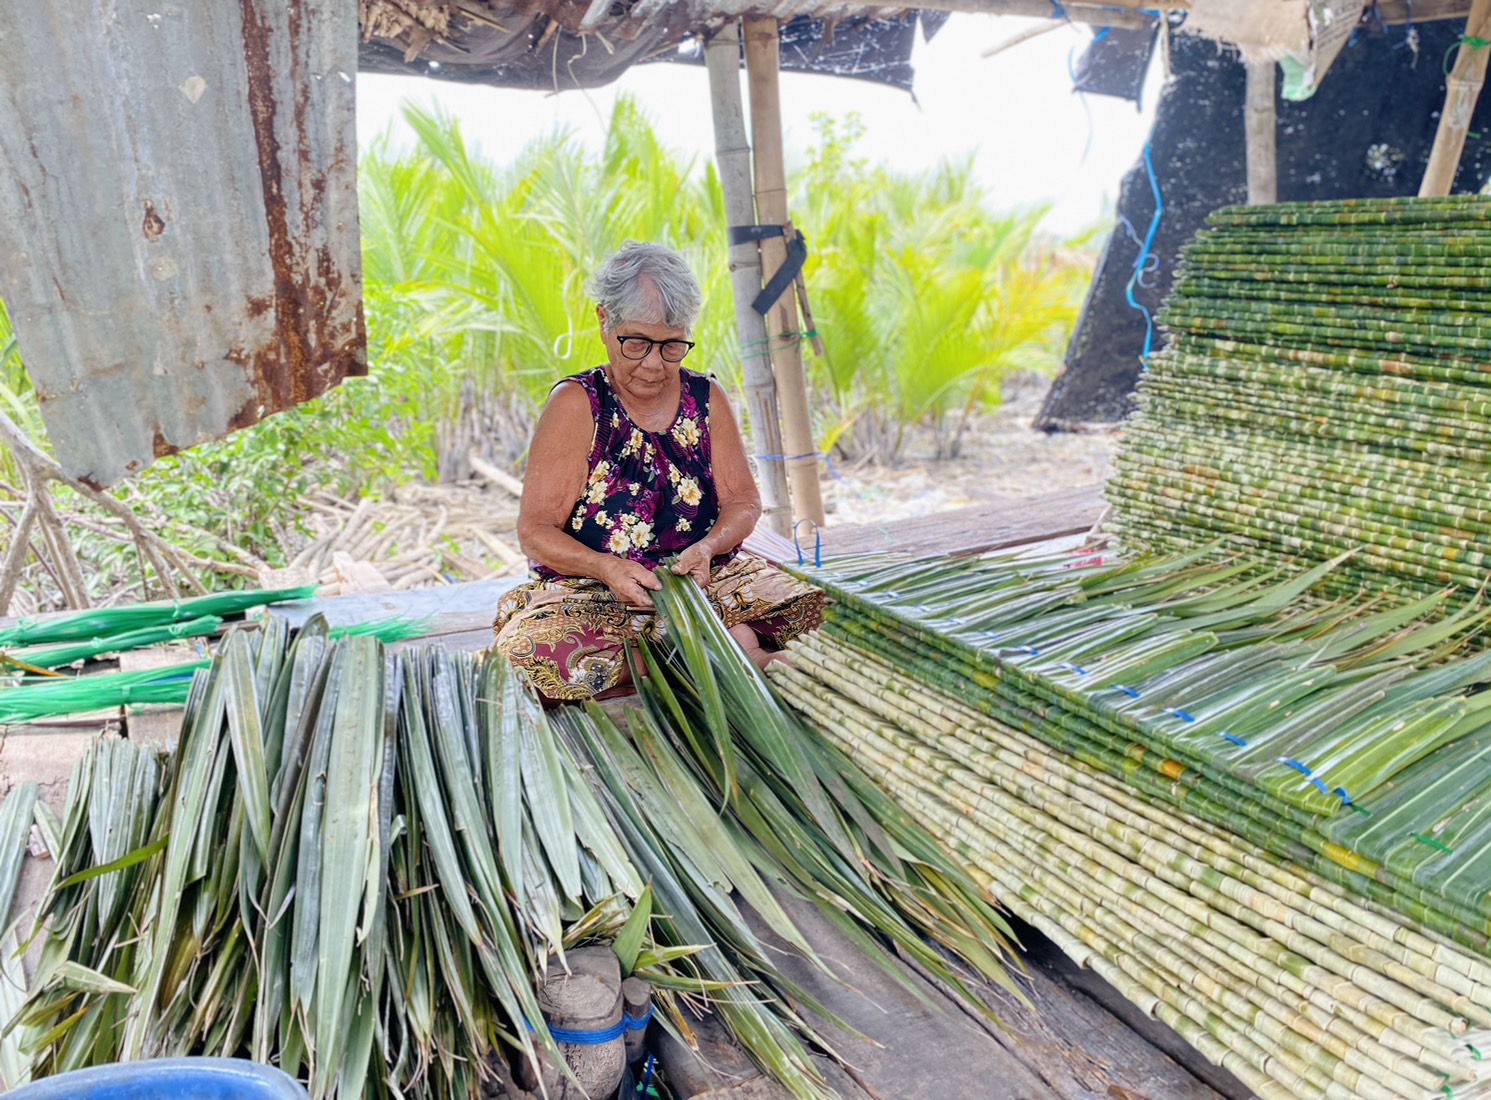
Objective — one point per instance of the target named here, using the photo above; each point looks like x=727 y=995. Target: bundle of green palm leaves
x=359 y=866
x=1323 y=390
x=1256 y=812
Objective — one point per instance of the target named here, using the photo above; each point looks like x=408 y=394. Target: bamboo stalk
x=733 y=154
x=762 y=49
x=1261 y=132
x=1462 y=89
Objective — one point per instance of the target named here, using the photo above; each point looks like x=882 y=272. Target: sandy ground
x=1003 y=458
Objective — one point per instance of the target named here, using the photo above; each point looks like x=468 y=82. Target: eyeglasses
x=640 y=347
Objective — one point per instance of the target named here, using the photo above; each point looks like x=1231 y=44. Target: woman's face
x=644 y=378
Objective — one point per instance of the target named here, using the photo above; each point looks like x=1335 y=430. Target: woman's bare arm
x=739 y=499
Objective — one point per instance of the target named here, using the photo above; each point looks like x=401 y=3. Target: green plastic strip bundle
x=55 y=698
x=1324 y=390
x=118 y=620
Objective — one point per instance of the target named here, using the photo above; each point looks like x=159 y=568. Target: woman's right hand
x=628 y=581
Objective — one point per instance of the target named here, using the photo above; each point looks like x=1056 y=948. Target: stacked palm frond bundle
x=359 y=867
x=1324 y=390
x=1259 y=815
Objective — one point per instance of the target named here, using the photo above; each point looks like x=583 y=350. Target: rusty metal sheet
x=180 y=251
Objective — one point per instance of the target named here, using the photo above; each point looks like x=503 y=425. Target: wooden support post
x=763 y=62
x=1261 y=126
x=732 y=152
x=1462 y=89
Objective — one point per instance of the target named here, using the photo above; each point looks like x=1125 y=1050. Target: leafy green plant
x=923 y=297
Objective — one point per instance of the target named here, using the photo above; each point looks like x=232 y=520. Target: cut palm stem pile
x=1348 y=740
x=358 y=866
x=1323 y=390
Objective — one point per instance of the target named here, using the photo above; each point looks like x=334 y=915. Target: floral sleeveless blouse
x=648 y=495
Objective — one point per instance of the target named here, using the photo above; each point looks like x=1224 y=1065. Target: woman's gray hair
x=649 y=284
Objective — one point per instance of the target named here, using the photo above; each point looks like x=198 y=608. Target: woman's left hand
x=694 y=562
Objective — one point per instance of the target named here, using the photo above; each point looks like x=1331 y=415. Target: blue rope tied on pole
x=1143 y=258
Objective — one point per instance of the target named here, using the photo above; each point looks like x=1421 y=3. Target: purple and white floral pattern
x=648 y=495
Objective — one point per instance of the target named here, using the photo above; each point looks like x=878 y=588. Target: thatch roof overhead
x=556 y=45
x=559 y=44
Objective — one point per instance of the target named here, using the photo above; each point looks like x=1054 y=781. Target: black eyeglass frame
x=661 y=345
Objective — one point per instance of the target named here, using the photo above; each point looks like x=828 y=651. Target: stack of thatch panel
x=1325 y=388
x=1105 y=746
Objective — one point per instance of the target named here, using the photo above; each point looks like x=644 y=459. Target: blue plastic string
x=1296 y=765
x=817 y=543
x=1130 y=692
x=1345 y=798
x=1143 y=257
x=1234 y=738
x=1075 y=668
x=1182 y=715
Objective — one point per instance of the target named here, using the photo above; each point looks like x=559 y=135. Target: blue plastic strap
x=1296 y=765
x=1345 y=798
x=1130 y=692
x=1234 y=738
x=1178 y=713
x=599 y=1038
x=1075 y=668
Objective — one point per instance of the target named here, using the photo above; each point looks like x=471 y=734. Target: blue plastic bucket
x=167 y=1079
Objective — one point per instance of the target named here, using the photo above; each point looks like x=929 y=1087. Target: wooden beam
x=1129 y=13
x=1462 y=89
x=1127 y=16
x=763 y=67
x=1398 y=12
x=732 y=153
x=1261 y=127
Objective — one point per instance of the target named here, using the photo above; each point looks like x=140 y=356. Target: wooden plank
x=1084 y=1039
x=1398 y=12
x=457 y=600
x=1064 y=1045
x=972 y=530
x=156 y=726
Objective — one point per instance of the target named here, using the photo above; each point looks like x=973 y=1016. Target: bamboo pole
x=1261 y=126
x=763 y=65
x=1462 y=89
x=732 y=153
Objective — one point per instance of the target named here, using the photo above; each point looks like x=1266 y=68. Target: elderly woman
x=635 y=464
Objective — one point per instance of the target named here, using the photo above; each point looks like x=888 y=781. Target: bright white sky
x=1035 y=140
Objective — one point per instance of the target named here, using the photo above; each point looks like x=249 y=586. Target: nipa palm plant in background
x=924 y=299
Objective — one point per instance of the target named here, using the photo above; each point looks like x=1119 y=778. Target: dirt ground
x=1003 y=458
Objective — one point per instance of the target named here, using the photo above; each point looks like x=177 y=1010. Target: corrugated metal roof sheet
x=180 y=254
